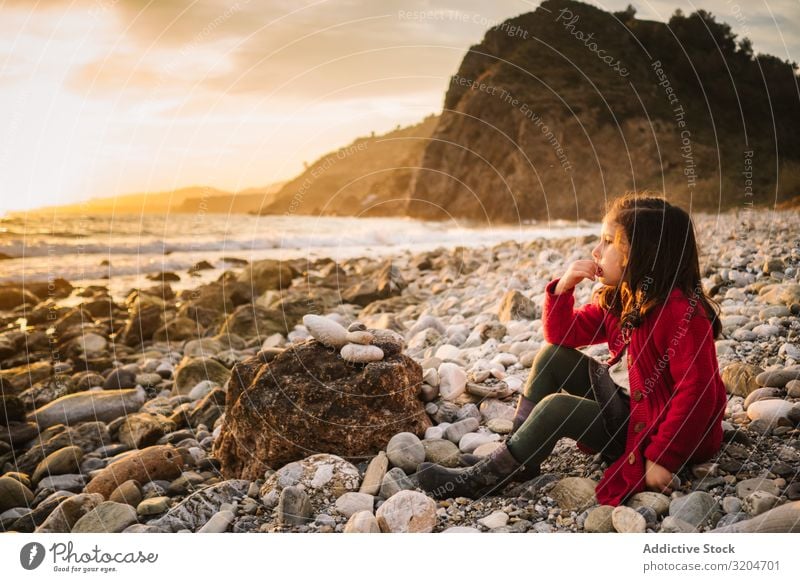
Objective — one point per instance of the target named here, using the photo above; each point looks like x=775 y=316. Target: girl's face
x=610 y=254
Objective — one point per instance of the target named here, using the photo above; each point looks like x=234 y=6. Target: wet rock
x=307 y=398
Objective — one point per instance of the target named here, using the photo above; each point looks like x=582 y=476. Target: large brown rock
x=308 y=400
x=267 y=274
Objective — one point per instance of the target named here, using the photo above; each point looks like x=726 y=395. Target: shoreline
x=468 y=321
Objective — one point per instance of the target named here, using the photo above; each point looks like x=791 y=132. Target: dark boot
x=488 y=475
x=524 y=407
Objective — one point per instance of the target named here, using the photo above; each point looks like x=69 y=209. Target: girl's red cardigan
x=677 y=395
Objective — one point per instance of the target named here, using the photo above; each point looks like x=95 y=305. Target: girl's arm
x=692 y=368
x=565 y=326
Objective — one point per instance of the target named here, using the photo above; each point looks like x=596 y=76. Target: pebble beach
x=118 y=409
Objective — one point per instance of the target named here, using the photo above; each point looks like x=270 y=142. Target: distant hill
x=369 y=177
x=185 y=200
x=559 y=109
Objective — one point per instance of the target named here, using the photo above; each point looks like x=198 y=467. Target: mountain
x=185 y=200
x=559 y=109
x=369 y=177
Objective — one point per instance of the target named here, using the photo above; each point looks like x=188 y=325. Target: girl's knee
x=552 y=352
x=554 y=405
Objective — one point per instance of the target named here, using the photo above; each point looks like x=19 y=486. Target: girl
x=661 y=403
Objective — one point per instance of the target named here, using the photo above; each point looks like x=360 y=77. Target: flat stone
x=494 y=519
x=405 y=450
x=351 y=503
x=359 y=354
x=771 y=412
x=627 y=520
x=777 y=378
x=599 y=520
x=218 y=523
x=471 y=441
x=108 y=517
x=500 y=425
x=761 y=394
x=407 y=512
x=373 y=477
x=486 y=449
x=748 y=486
x=102 y=406
x=325 y=330
x=73 y=482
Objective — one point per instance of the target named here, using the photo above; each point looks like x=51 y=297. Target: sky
x=107 y=97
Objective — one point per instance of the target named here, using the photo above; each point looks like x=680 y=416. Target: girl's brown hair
x=661 y=255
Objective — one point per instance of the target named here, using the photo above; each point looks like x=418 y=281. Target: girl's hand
x=657 y=478
x=576 y=272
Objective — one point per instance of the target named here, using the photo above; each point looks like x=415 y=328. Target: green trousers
x=574 y=414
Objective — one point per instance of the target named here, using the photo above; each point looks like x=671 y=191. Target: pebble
x=393 y=482
x=294 y=506
x=658 y=502
x=108 y=517
x=362 y=522
x=494 y=519
x=777 y=378
x=759 y=501
x=128 y=492
x=373 y=477
x=442 y=452
x=599 y=520
x=88 y=406
x=359 y=354
x=13 y=494
x=218 y=523
x=748 y=486
x=471 y=441
x=500 y=425
x=770 y=411
x=574 y=493
x=325 y=330
x=672 y=524
x=352 y=502
x=627 y=520
x=153 y=506
x=458 y=429
x=405 y=450
x=452 y=381
x=696 y=508
x=407 y=512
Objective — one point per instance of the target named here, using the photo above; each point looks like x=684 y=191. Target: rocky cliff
x=369 y=177
x=559 y=109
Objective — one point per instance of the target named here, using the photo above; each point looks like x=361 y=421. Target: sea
x=120 y=251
